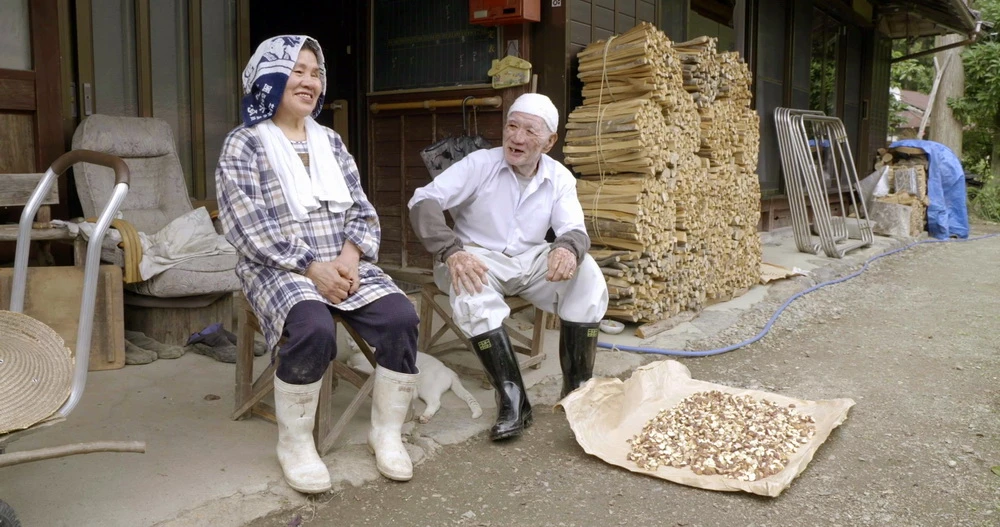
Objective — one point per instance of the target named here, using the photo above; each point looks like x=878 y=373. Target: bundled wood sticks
x=666 y=145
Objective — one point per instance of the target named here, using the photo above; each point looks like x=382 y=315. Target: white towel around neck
x=305 y=190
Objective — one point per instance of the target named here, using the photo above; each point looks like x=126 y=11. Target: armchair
x=183 y=299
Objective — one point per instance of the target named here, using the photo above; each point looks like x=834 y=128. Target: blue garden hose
x=774 y=317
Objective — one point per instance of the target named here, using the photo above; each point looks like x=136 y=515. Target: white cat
x=435 y=379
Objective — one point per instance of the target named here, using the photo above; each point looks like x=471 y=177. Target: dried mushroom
x=718 y=433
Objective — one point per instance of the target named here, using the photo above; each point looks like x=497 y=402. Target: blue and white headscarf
x=305 y=188
x=266 y=74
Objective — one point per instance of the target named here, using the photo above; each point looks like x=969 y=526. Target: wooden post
x=939 y=71
x=945 y=129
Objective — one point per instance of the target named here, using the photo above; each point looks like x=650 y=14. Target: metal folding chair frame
x=804 y=168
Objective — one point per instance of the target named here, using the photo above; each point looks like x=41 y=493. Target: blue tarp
x=947 y=214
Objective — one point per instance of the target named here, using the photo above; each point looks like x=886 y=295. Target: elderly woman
x=291 y=203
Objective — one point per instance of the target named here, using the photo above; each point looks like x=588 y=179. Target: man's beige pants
x=583 y=298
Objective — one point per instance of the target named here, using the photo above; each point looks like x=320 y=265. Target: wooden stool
x=250 y=391
x=531 y=347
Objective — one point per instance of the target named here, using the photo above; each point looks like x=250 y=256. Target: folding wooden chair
x=529 y=347
x=250 y=391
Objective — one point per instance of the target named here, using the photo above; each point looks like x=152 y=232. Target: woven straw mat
x=36 y=371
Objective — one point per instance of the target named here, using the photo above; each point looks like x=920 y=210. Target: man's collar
x=539 y=172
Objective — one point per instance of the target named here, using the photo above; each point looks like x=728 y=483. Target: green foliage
x=822 y=77
x=979 y=108
x=977 y=146
x=981 y=102
x=977 y=166
x=989 y=10
x=914 y=74
x=985 y=202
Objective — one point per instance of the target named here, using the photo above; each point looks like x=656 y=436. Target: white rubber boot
x=295 y=410
x=391 y=397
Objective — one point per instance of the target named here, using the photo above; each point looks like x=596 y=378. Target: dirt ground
x=913 y=341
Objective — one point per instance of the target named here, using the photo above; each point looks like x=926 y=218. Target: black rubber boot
x=513 y=410
x=577 y=347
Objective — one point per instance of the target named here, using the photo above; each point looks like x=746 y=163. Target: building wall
x=397 y=169
x=875 y=125
x=396 y=137
x=773 y=54
x=592 y=20
x=551 y=62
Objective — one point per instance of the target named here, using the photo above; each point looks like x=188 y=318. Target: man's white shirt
x=490 y=210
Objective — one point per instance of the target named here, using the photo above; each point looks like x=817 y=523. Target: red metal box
x=502 y=12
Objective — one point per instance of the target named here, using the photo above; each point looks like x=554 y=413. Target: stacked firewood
x=693 y=232
x=625 y=137
x=735 y=88
x=734 y=78
x=737 y=251
x=701 y=69
x=632 y=290
x=664 y=196
x=907 y=181
x=637 y=64
x=628 y=212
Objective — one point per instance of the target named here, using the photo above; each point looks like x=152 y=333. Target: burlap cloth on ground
x=605 y=413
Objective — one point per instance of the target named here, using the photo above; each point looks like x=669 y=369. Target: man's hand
x=347 y=265
x=467 y=272
x=562 y=265
x=329 y=281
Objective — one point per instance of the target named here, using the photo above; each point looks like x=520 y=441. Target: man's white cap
x=537 y=104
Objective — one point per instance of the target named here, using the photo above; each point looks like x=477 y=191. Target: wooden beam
x=15 y=189
x=48 y=99
x=197 y=75
x=84 y=25
x=144 y=58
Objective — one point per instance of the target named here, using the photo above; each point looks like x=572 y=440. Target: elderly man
x=504 y=201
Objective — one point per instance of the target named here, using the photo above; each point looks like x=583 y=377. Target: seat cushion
x=198 y=276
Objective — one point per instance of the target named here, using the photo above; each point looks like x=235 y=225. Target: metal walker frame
x=87 y=301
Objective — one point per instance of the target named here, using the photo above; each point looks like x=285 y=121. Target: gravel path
x=913 y=341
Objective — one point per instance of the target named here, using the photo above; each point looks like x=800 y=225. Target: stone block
x=891 y=219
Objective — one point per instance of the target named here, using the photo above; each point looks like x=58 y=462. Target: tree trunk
x=944 y=128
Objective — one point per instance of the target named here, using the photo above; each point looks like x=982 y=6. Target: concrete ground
x=912 y=341
x=201 y=468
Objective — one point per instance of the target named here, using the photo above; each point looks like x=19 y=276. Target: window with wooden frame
x=714 y=18
x=418 y=46
x=825 y=77
x=176 y=60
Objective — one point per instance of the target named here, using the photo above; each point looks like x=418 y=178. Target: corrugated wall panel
x=645 y=11
x=604 y=19
x=579 y=36
x=579 y=11
x=599 y=19
x=673 y=19
x=593 y=20
x=624 y=23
